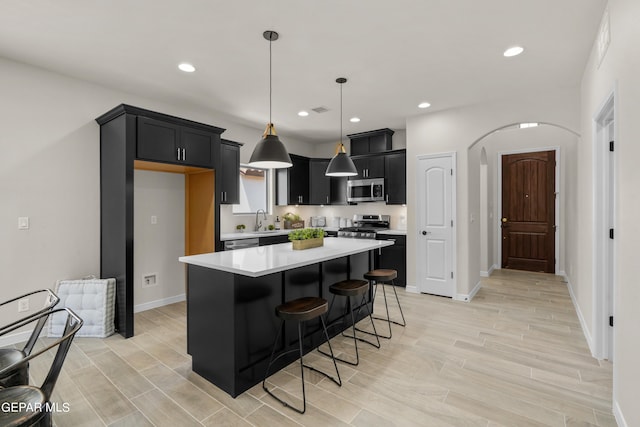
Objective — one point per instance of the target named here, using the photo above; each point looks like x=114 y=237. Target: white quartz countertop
x=258 y=234
x=398 y=232
x=263 y=260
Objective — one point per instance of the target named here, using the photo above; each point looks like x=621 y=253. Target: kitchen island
x=232 y=295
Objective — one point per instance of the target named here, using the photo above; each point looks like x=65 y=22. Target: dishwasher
x=230 y=245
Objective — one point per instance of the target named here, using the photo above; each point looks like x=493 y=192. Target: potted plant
x=306 y=238
x=292 y=221
x=240 y=228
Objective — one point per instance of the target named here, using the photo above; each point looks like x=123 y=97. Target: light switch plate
x=23 y=223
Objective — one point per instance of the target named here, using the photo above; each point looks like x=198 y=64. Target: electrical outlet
x=23 y=223
x=23 y=305
x=149 y=280
x=154 y=219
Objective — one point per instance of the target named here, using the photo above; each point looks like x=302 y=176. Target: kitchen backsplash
x=228 y=220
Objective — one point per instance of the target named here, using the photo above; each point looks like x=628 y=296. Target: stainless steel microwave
x=365 y=190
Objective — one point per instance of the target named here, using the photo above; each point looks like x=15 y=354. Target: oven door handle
x=373 y=190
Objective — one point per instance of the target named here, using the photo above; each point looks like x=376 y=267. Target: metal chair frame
x=21 y=375
x=302 y=365
x=43 y=417
x=354 y=329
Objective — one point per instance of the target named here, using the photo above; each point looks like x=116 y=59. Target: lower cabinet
x=273 y=240
x=394 y=257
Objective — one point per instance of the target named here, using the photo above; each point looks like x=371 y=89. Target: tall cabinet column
x=121 y=143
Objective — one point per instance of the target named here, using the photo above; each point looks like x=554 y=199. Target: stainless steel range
x=365 y=226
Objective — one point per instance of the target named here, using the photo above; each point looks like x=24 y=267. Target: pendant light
x=270 y=152
x=341 y=164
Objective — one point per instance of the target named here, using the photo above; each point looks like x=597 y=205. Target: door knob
x=504 y=219
x=424 y=233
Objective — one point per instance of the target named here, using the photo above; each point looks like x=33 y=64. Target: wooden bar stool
x=300 y=310
x=385 y=276
x=352 y=288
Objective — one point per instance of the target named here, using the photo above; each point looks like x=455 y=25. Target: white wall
x=619 y=70
x=156 y=247
x=49 y=171
x=456 y=130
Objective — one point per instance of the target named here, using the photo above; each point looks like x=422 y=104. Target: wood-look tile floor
x=514 y=356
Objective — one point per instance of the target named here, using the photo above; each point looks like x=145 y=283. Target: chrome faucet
x=259 y=224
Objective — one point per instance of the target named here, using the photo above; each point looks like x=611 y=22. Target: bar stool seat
x=349 y=289
x=300 y=310
x=381 y=275
x=384 y=276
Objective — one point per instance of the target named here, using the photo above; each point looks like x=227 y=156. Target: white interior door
x=435 y=186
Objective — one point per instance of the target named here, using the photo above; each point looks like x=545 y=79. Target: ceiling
x=394 y=54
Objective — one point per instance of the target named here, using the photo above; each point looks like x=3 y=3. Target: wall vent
x=320 y=110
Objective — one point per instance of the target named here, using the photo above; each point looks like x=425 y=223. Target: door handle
x=504 y=219
x=424 y=233
x=184 y=154
x=178 y=152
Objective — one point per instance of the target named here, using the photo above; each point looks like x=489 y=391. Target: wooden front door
x=528 y=211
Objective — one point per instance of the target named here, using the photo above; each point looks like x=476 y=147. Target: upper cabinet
x=228 y=173
x=370 y=166
x=395 y=177
x=375 y=141
x=292 y=184
x=319 y=183
x=163 y=141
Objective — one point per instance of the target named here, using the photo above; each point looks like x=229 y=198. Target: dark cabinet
x=228 y=174
x=375 y=141
x=319 y=183
x=395 y=174
x=292 y=184
x=394 y=257
x=369 y=166
x=273 y=240
x=166 y=142
x=128 y=134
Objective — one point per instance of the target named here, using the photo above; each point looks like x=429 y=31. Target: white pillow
x=93 y=300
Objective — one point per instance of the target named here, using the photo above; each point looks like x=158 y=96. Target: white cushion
x=91 y=299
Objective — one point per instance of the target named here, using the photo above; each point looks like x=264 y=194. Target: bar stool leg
x=388 y=318
x=404 y=322
x=353 y=328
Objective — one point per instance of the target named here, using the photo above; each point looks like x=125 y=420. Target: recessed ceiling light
x=303 y=113
x=187 y=68
x=527 y=125
x=513 y=51
x=424 y=105
x=354 y=119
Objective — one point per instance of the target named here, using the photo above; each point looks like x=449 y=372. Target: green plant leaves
x=306 y=233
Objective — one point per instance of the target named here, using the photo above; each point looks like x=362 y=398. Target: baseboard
x=488 y=273
x=8 y=340
x=617 y=413
x=159 y=303
x=468 y=297
x=583 y=323
x=412 y=289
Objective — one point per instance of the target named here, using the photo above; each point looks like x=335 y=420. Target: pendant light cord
x=341 y=144
x=270 y=90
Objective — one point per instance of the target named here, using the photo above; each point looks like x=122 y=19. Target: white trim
x=600 y=266
x=454 y=215
x=468 y=297
x=583 y=323
x=159 y=303
x=15 y=338
x=490 y=272
x=617 y=413
x=557 y=167
x=412 y=289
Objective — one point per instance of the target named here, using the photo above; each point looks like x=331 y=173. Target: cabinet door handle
x=387 y=198
x=327 y=199
x=178 y=152
x=184 y=154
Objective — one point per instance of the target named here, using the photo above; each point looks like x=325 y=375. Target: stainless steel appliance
x=365 y=226
x=230 y=245
x=365 y=190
